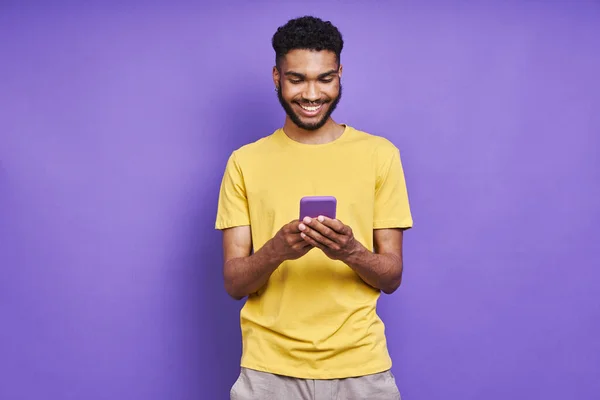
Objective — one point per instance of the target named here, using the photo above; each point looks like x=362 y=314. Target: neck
x=329 y=132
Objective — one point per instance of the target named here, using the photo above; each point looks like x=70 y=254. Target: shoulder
x=380 y=145
x=253 y=150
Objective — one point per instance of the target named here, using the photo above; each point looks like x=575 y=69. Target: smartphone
x=313 y=206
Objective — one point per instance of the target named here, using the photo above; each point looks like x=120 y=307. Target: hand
x=288 y=244
x=330 y=235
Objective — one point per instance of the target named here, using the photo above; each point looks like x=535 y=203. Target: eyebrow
x=299 y=75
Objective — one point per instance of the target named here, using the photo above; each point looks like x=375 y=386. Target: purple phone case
x=313 y=206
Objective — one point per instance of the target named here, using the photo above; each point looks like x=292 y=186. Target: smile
x=310 y=111
x=313 y=108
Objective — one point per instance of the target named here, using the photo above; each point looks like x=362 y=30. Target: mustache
x=312 y=103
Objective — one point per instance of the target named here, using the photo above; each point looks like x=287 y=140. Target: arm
x=244 y=273
x=381 y=269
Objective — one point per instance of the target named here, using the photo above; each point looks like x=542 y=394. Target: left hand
x=330 y=235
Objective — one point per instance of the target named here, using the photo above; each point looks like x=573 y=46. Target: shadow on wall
x=237 y=121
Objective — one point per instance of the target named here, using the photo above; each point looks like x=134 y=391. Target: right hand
x=288 y=244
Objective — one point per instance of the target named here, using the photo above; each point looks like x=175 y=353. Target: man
x=309 y=326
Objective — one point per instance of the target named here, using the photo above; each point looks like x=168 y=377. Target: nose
x=310 y=92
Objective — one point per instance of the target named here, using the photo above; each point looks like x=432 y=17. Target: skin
x=310 y=77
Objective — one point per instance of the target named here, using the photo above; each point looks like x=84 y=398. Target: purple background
x=115 y=126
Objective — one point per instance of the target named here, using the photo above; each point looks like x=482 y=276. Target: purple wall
x=115 y=125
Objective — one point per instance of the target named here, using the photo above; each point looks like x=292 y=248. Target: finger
x=301 y=238
x=296 y=238
x=301 y=246
x=321 y=228
x=318 y=237
x=293 y=226
x=311 y=242
x=335 y=224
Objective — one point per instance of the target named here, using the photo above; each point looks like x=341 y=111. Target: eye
x=295 y=81
x=327 y=80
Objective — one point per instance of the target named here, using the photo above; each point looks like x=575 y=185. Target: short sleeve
x=232 y=209
x=392 y=209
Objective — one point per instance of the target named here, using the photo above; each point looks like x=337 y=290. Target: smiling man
x=310 y=328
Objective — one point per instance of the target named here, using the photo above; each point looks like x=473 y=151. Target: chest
x=276 y=184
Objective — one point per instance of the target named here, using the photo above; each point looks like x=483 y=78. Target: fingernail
x=301 y=227
x=307 y=220
x=321 y=218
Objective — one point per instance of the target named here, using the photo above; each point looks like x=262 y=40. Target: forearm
x=381 y=271
x=246 y=275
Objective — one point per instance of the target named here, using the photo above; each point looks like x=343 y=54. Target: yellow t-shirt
x=315 y=318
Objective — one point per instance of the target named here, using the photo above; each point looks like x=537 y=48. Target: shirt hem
x=393 y=223
x=231 y=224
x=318 y=375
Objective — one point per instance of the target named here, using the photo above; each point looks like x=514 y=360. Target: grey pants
x=256 y=385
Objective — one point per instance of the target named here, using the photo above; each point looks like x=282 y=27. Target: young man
x=309 y=326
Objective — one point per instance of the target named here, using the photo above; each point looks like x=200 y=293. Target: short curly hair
x=307 y=33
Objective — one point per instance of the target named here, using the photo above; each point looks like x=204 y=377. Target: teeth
x=315 y=108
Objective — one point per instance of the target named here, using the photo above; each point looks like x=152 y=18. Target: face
x=309 y=86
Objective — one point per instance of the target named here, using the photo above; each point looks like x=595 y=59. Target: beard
x=309 y=126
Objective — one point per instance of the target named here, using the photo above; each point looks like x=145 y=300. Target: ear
x=276 y=77
x=340 y=71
